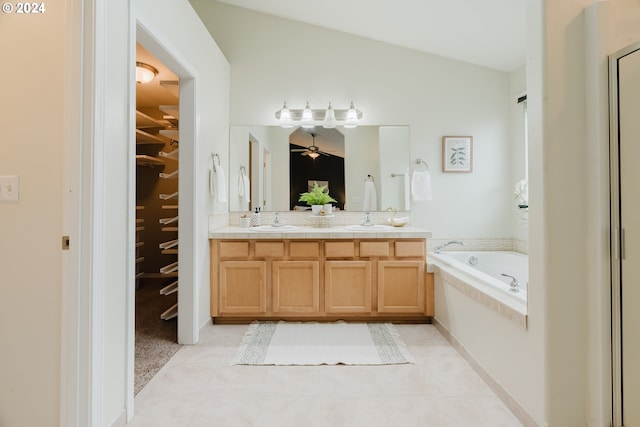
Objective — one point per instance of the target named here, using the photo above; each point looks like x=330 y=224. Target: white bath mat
x=311 y=343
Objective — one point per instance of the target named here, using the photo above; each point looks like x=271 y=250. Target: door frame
x=188 y=328
x=615 y=230
x=84 y=174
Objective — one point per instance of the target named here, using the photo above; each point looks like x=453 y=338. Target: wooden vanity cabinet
x=347 y=287
x=350 y=279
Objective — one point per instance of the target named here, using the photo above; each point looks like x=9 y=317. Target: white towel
x=218 y=184
x=370 y=202
x=406 y=183
x=244 y=189
x=421 y=186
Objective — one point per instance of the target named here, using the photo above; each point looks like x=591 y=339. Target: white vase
x=315 y=209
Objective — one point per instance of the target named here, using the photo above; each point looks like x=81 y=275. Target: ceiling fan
x=312 y=151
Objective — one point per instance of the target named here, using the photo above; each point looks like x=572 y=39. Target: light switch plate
x=9 y=187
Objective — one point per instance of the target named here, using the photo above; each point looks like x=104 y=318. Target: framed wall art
x=457 y=154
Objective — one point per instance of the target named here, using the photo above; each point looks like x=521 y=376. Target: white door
x=629 y=190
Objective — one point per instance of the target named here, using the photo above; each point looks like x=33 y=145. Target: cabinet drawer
x=410 y=249
x=339 y=249
x=304 y=249
x=234 y=249
x=269 y=249
x=377 y=248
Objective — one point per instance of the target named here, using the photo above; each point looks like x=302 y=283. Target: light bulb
x=352 y=117
x=307 y=118
x=329 y=119
x=313 y=155
x=285 y=117
x=145 y=72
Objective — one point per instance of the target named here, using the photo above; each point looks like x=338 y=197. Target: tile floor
x=197 y=388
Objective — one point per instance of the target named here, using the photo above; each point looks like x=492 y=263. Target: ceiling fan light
x=330 y=121
x=307 y=117
x=352 y=117
x=313 y=155
x=285 y=117
x=145 y=72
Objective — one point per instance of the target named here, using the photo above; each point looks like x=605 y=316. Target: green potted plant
x=316 y=198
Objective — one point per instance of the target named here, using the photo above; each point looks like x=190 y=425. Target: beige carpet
x=156 y=339
x=313 y=343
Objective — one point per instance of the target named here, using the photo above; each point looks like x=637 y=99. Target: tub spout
x=439 y=249
x=513 y=284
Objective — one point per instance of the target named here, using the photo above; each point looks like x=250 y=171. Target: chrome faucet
x=439 y=249
x=513 y=284
x=276 y=220
x=368 y=222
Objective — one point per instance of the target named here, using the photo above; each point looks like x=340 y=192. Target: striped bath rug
x=312 y=343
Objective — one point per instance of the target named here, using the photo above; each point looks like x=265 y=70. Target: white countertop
x=335 y=232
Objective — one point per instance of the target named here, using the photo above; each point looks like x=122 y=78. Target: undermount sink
x=374 y=227
x=273 y=229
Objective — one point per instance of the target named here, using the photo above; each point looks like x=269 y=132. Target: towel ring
x=422 y=162
x=243 y=171
x=213 y=161
x=370 y=178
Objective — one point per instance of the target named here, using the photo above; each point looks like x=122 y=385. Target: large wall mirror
x=270 y=166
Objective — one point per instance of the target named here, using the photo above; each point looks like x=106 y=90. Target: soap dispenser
x=256 y=221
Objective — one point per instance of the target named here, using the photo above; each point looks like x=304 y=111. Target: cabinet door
x=243 y=287
x=401 y=287
x=296 y=287
x=348 y=287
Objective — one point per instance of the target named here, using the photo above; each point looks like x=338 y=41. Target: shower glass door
x=625 y=71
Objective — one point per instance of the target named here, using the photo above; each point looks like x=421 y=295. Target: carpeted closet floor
x=156 y=339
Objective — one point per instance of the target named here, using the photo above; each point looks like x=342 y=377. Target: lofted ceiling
x=490 y=33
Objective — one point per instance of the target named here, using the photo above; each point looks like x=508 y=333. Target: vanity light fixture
x=145 y=72
x=308 y=117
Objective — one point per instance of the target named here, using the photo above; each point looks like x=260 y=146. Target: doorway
x=625 y=232
x=157 y=220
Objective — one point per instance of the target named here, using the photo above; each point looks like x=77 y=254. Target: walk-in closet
x=157 y=214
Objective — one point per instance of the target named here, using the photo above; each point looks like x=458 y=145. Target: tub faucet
x=513 y=285
x=439 y=249
x=276 y=220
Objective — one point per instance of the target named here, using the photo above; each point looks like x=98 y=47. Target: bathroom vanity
x=320 y=274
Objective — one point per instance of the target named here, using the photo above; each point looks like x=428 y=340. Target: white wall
x=576 y=246
x=361 y=158
x=611 y=26
x=32 y=120
x=275 y=59
x=393 y=143
x=517 y=142
x=239 y=156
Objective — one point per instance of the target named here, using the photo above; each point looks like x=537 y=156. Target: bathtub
x=479 y=275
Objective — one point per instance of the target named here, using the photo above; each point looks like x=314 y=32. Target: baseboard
x=121 y=421
x=518 y=411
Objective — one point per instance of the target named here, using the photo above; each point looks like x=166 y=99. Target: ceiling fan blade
x=298 y=150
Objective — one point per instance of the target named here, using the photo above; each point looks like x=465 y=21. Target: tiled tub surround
x=304 y=218
x=481 y=244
